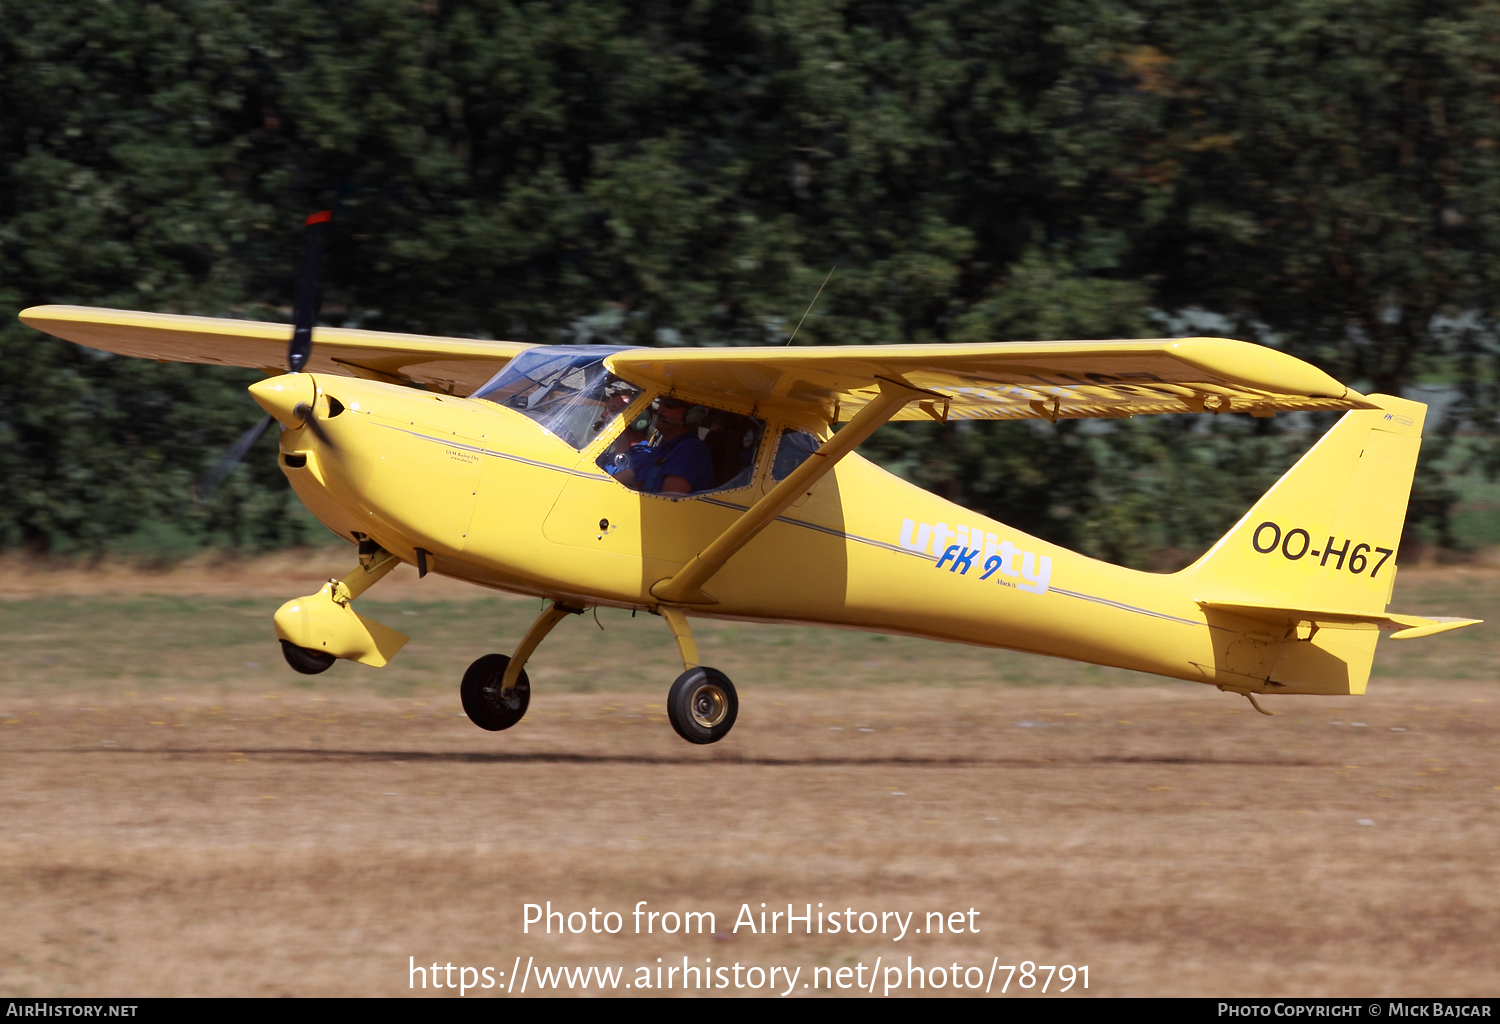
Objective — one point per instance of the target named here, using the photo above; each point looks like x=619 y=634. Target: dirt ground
x=182 y=815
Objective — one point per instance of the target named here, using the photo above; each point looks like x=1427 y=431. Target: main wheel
x=480 y=691
x=306 y=660
x=702 y=705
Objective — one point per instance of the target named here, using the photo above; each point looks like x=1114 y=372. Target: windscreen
x=564 y=388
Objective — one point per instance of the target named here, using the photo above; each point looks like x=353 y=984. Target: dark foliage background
x=1320 y=175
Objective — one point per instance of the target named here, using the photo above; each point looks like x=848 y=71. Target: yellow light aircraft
x=711 y=482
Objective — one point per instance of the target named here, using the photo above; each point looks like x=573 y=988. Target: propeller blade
x=205 y=486
x=310 y=420
x=304 y=315
x=305 y=306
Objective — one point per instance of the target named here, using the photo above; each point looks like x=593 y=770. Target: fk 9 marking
x=1295 y=543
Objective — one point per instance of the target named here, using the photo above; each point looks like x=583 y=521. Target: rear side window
x=792 y=450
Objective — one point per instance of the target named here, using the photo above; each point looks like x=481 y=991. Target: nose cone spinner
x=286 y=397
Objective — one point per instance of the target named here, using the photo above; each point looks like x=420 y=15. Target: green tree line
x=1318 y=175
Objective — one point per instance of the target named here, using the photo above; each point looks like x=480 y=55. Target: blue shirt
x=685 y=456
x=634 y=458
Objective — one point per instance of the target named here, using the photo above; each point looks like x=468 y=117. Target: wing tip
x=1434 y=624
x=31 y=314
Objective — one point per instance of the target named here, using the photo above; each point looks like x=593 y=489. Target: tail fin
x=1314 y=560
x=1325 y=536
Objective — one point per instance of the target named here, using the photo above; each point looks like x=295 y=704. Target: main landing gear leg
x=701 y=704
x=495 y=690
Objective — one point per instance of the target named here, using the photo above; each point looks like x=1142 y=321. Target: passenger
x=617 y=399
x=680 y=463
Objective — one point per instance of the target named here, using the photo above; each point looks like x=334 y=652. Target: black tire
x=305 y=660
x=481 y=694
x=702 y=705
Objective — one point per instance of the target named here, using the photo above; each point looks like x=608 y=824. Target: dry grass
x=182 y=815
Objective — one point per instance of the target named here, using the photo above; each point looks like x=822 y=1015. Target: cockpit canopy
x=565 y=388
x=671 y=447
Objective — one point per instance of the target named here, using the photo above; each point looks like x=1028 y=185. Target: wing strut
x=684 y=588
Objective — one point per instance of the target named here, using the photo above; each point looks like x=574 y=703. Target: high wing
x=1008 y=380
x=454 y=365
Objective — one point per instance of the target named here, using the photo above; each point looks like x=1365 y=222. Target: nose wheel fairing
x=325 y=624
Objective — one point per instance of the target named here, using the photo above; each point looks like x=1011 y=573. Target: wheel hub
x=500 y=702
x=710 y=704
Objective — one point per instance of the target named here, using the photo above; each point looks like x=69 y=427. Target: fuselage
x=489 y=496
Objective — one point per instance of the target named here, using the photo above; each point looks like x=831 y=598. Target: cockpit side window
x=675 y=447
x=566 y=389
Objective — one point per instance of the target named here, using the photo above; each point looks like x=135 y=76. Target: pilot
x=630 y=450
x=680 y=463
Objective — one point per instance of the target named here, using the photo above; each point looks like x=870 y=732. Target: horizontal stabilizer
x=1406 y=627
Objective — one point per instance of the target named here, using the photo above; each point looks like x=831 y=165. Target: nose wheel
x=306 y=660
x=483 y=701
x=702 y=705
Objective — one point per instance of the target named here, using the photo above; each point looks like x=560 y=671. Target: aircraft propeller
x=304 y=315
x=310 y=421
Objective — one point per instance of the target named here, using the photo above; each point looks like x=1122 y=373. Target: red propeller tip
x=321 y=217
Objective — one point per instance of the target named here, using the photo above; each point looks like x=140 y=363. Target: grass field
x=184 y=815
